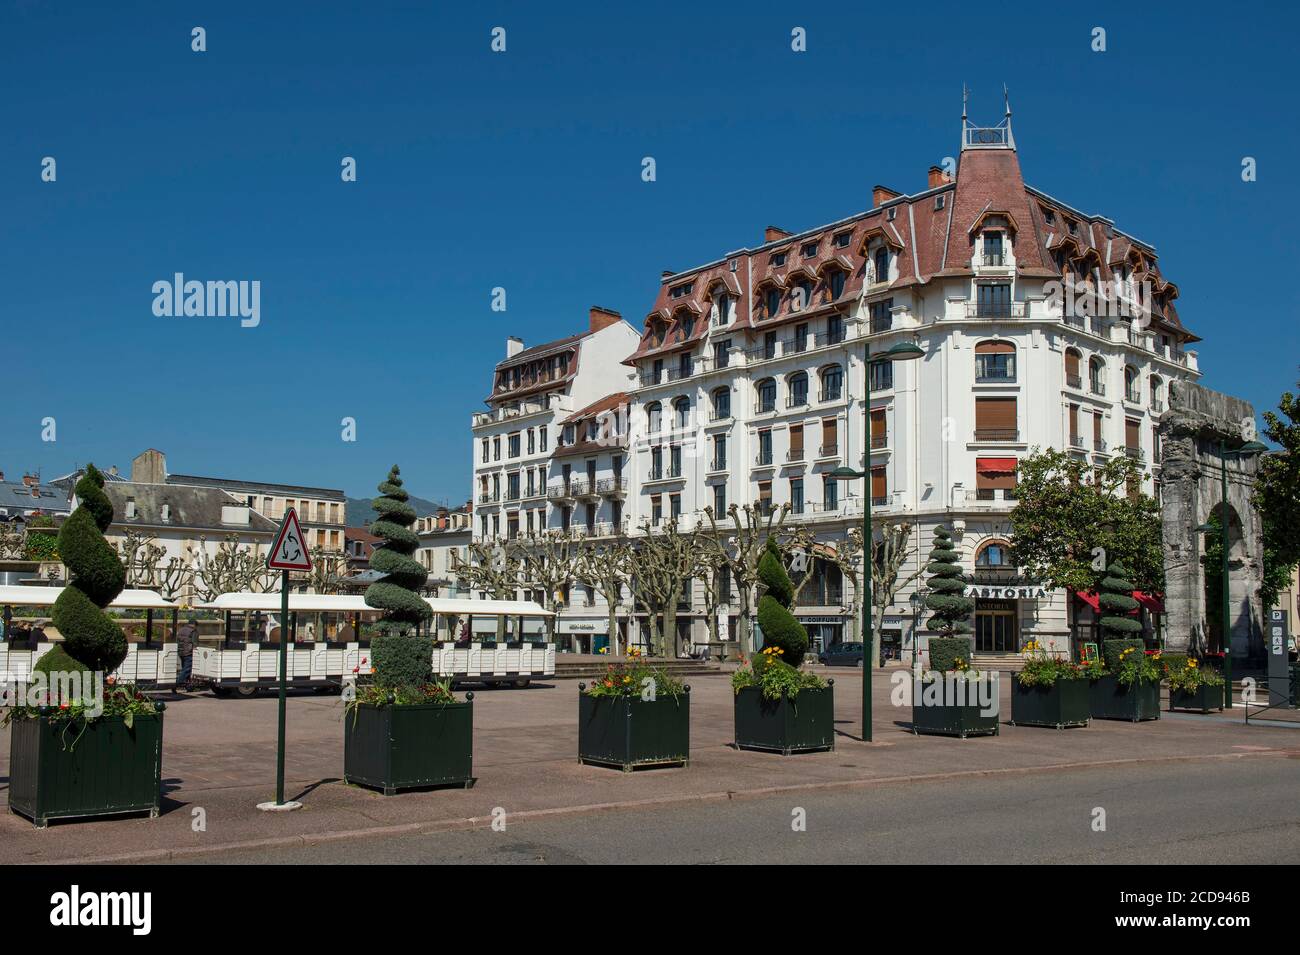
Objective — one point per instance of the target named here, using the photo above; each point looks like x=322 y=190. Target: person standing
x=186 y=637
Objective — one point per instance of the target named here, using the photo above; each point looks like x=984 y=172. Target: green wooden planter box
x=1203 y=699
x=627 y=732
x=1111 y=700
x=952 y=720
x=785 y=726
x=410 y=747
x=1064 y=703
x=108 y=771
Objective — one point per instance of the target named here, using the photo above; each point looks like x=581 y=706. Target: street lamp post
x=917 y=602
x=903 y=351
x=1246 y=450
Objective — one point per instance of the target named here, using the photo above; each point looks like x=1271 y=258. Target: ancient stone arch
x=1191 y=431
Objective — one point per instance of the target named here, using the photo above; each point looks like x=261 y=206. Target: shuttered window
x=879 y=485
x=796 y=439
x=995 y=419
x=878 y=429
x=1074 y=425
x=829 y=436
x=1132 y=434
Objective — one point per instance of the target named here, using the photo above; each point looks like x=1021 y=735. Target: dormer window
x=938 y=203
x=1049 y=216
x=836 y=282
x=130 y=507
x=772 y=301
x=993 y=254
x=778 y=260
x=880 y=264
x=809 y=250
x=842 y=240
x=681 y=291
x=802 y=296
x=687 y=326
x=722 y=310
x=1072 y=226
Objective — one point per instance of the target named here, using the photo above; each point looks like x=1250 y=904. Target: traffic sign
x=289 y=552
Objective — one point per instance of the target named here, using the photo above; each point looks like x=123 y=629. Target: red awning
x=1153 y=602
x=996 y=465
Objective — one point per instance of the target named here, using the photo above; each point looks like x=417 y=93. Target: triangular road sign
x=289 y=552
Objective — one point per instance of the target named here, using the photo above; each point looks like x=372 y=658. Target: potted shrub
x=1049 y=691
x=950 y=698
x=779 y=707
x=782 y=709
x=636 y=715
x=1128 y=685
x=100 y=753
x=1192 y=686
x=404 y=729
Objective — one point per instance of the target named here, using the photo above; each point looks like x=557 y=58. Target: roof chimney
x=149 y=467
x=603 y=317
x=513 y=346
x=31 y=480
x=938 y=177
x=881 y=194
x=772 y=233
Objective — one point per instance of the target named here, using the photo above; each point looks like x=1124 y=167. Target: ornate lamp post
x=903 y=351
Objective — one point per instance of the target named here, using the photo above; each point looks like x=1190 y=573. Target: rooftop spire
x=987 y=137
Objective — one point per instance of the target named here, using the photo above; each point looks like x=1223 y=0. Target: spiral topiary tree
x=401 y=658
x=92 y=640
x=947 y=586
x=780 y=628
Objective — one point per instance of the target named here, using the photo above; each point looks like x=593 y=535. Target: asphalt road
x=1194 y=812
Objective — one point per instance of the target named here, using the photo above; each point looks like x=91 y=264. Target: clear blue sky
x=522 y=170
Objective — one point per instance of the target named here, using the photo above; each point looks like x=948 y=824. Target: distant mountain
x=360 y=513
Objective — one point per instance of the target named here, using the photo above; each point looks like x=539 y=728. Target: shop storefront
x=823 y=631
x=1001 y=609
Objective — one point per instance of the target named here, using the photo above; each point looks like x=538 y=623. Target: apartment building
x=444 y=540
x=322 y=512
x=1041 y=326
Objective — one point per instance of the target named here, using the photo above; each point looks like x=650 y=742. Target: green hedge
x=780 y=628
x=1111 y=649
x=946 y=651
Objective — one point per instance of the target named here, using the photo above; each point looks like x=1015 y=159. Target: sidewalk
x=219 y=757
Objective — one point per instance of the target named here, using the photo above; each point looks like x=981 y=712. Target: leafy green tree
x=947 y=601
x=1068 y=511
x=92 y=640
x=1277 y=497
x=401 y=657
x=780 y=628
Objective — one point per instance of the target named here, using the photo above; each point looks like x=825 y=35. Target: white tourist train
x=506 y=642
x=151 y=659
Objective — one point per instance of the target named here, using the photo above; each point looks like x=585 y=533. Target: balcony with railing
x=879 y=441
x=488 y=497
x=882 y=501
x=995 y=310
x=1157 y=405
x=1074 y=381
x=559 y=492
x=1134 y=453
x=649 y=378
x=719 y=414
x=997 y=434
x=717 y=464
x=1099 y=444
x=795 y=345
x=612 y=487
x=994 y=259
x=1097 y=387
x=582 y=487
x=1133 y=396
x=829 y=451
x=1076 y=441
x=797 y=401
x=794 y=454
x=828 y=339
x=881 y=323
x=763 y=459
x=830 y=394
x=681 y=372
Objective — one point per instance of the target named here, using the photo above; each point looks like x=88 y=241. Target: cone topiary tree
x=1115 y=598
x=92 y=640
x=401 y=657
x=780 y=628
x=951 y=608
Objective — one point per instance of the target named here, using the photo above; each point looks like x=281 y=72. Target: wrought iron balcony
x=612 y=486
x=828 y=451
x=995 y=310
x=1074 y=381
x=997 y=434
x=794 y=454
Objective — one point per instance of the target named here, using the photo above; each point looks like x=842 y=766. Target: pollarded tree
x=401 y=657
x=92 y=640
x=666 y=558
x=780 y=628
x=606 y=566
x=951 y=608
x=742 y=551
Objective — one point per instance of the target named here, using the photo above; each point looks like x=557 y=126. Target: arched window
x=832 y=383
x=1073 y=359
x=797 y=384
x=721 y=398
x=722 y=309
x=835 y=280
x=995 y=361
x=1157 y=393
x=771 y=301
x=653 y=418
x=1132 y=384
x=880 y=263
x=682 y=412
x=766 y=394
x=994 y=555
x=1096 y=376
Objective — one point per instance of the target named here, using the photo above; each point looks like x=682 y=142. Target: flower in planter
x=774 y=676
x=1190 y=676
x=1045 y=669
x=628 y=679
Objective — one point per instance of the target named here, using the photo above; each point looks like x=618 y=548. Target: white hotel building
x=749 y=382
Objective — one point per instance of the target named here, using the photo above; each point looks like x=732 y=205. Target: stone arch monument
x=1191 y=430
